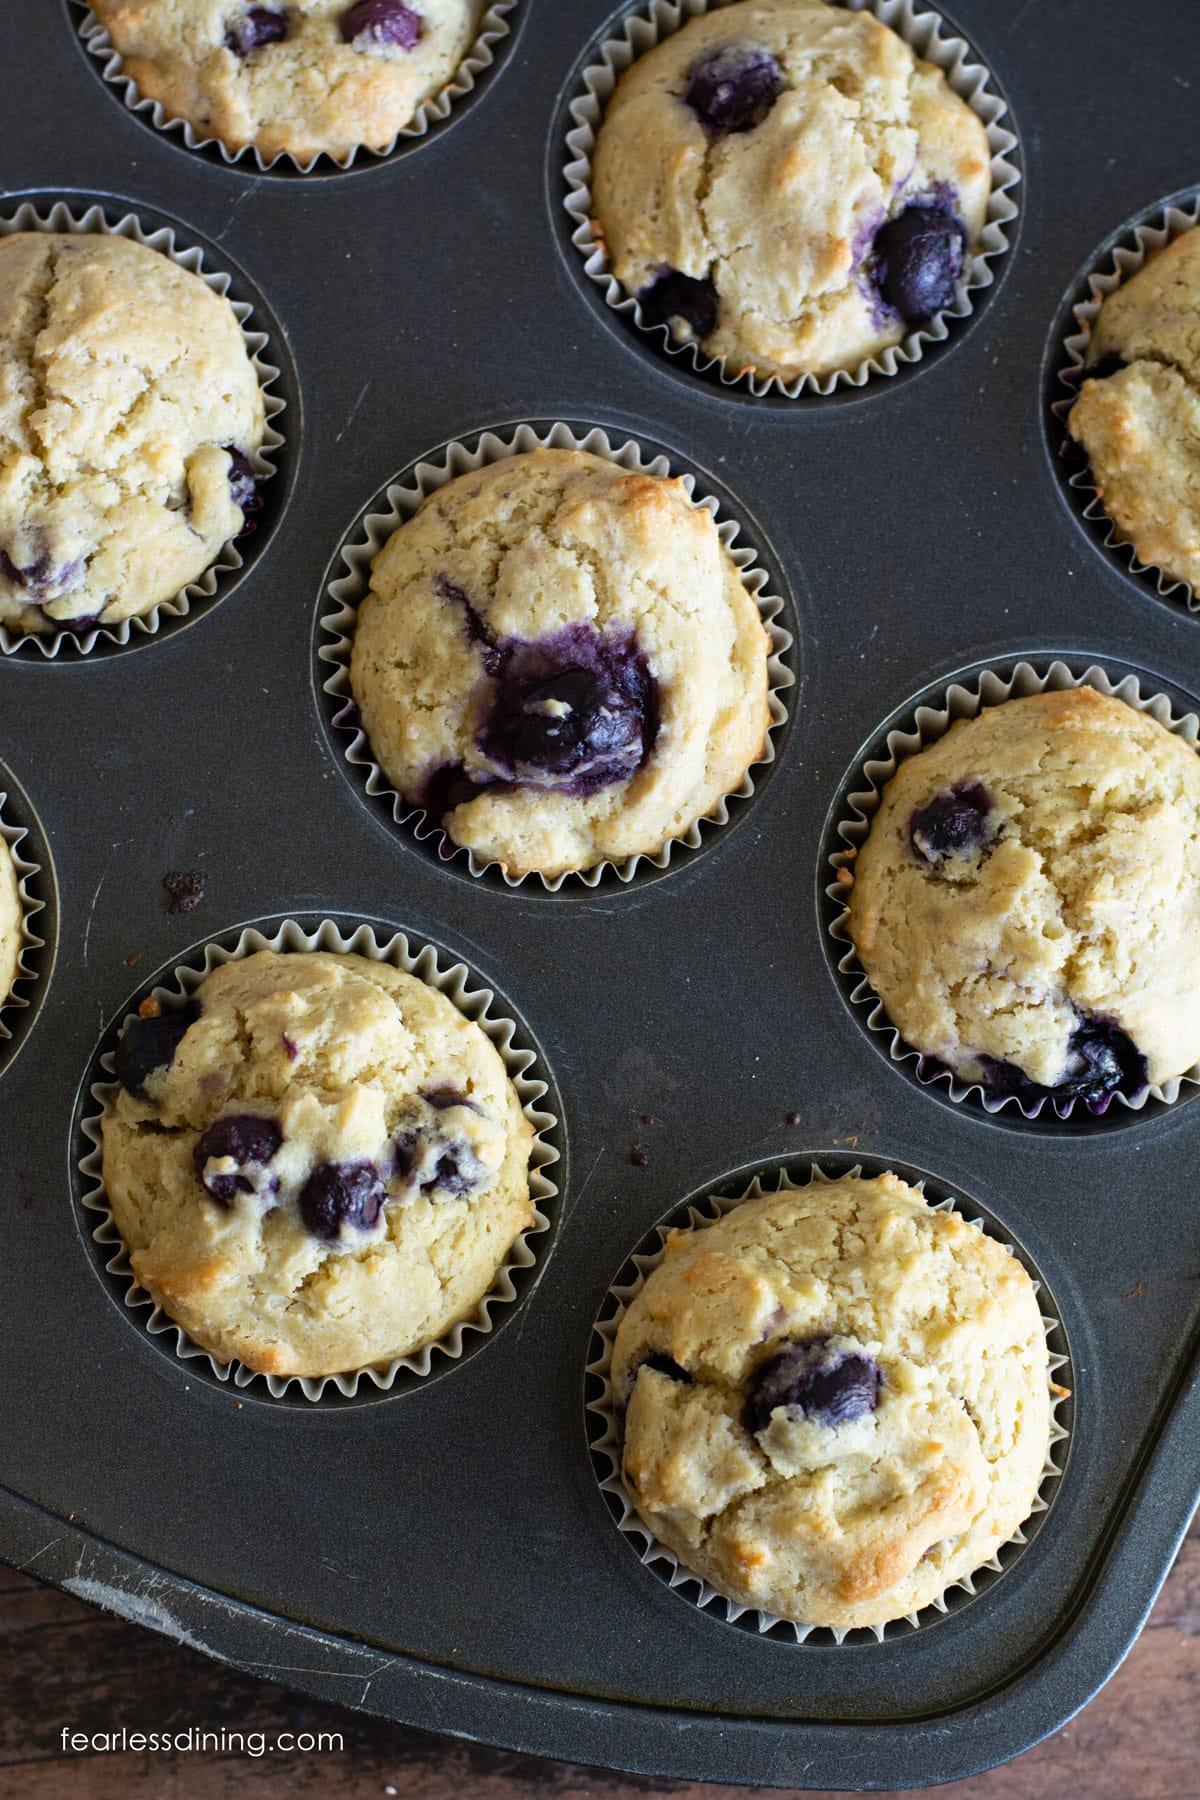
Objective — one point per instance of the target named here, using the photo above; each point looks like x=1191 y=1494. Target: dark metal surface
x=445 y=1557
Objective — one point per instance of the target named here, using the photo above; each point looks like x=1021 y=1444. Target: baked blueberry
x=456 y=1171
x=246 y=1139
x=918 y=258
x=672 y=295
x=575 y=708
x=734 y=87
x=342 y=1194
x=954 y=823
x=257 y=26
x=817 y=1377
x=41 y=579
x=244 y=487
x=1102 y=1060
x=442 y=1097
x=381 y=22
x=150 y=1044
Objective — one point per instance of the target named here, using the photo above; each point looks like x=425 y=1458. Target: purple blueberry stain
x=819 y=1378
x=577 y=709
x=245 y=1139
x=954 y=823
x=672 y=296
x=381 y=22
x=477 y=631
x=291 y=1048
x=147 y=1045
x=442 y=1098
x=245 y=489
x=340 y=1196
x=43 y=579
x=918 y=257
x=1102 y=1060
x=734 y=87
x=256 y=27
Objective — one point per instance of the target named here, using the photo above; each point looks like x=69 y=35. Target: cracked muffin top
x=786 y=184
x=835 y=1400
x=129 y=409
x=1138 y=411
x=559 y=660
x=292 y=76
x=1027 y=901
x=317 y=1163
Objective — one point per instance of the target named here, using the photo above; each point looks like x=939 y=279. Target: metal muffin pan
x=446 y=1557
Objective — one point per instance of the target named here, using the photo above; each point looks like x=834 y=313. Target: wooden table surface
x=64 y=1664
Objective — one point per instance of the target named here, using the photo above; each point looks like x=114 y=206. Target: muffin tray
x=443 y=1554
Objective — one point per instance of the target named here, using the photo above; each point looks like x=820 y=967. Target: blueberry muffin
x=317 y=1163
x=1027 y=902
x=559 y=660
x=1138 y=411
x=787 y=185
x=129 y=412
x=835 y=1401
x=292 y=76
x=11 y=922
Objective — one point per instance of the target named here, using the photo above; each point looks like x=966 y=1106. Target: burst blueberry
x=243 y=482
x=381 y=22
x=817 y=1377
x=148 y=1045
x=1102 y=1060
x=246 y=1139
x=342 y=1194
x=256 y=27
x=576 y=707
x=734 y=87
x=954 y=823
x=918 y=260
x=672 y=296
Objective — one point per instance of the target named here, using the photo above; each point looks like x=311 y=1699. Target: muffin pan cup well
x=605 y=1429
x=1121 y=255
x=925 y=31
x=21 y=830
x=491 y=43
x=913 y=728
x=348 y=582
x=446 y=1558
x=525 y=1065
x=274 y=463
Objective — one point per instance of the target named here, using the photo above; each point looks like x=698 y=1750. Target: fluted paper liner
x=604 y=1435
x=398 y=502
x=493 y=28
x=965 y=698
x=926 y=32
x=16 y=1000
x=472 y=999
x=1148 y=232
x=61 y=218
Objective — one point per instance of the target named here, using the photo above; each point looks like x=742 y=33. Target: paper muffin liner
x=927 y=33
x=16 y=1003
x=397 y=503
x=1152 y=229
x=61 y=218
x=605 y=1434
x=475 y=1001
x=965 y=697
x=493 y=28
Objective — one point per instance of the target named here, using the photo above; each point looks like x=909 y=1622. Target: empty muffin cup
x=641 y=30
x=1121 y=1086
x=797 y=1443
x=378 y=16
x=423 y=1155
x=348 y=584
x=253 y=470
